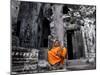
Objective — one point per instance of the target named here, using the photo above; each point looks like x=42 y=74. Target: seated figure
x=57 y=54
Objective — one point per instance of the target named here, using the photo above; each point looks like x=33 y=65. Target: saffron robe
x=53 y=58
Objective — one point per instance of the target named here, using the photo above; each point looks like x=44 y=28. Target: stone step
x=81 y=67
x=76 y=62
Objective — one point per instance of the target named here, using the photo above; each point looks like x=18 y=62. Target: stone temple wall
x=34 y=23
x=60 y=18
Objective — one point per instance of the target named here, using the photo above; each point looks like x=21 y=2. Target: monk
x=57 y=54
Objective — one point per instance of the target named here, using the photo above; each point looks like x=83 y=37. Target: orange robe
x=53 y=58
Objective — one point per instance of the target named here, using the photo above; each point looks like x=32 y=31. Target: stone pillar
x=28 y=15
x=58 y=23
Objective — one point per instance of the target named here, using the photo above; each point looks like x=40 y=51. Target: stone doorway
x=69 y=44
x=45 y=32
x=75 y=44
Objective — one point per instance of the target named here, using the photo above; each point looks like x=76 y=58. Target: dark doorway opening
x=45 y=32
x=75 y=44
x=69 y=44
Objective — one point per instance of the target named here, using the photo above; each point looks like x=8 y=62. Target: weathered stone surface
x=15 y=41
x=24 y=59
x=37 y=25
x=14 y=10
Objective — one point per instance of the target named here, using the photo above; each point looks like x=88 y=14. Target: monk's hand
x=58 y=53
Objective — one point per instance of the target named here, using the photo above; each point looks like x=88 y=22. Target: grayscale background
x=35 y=24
